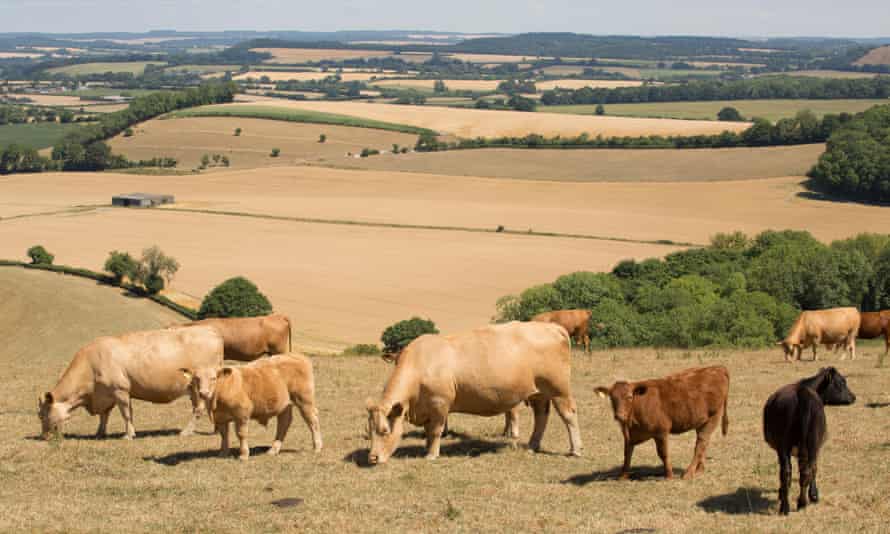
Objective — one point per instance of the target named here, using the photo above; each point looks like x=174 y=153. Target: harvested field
x=768 y=109
x=875 y=56
x=494 y=58
x=189 y=139
x=283 y=76
x=53 y=100
x=134 y=67
x=841 y=74
x=705 y=64
x=203 y=69
x=314 y=55
x=453 y=85
x=19 y=55
x=604 y=165
x=578 y=84
x=486 y=123
x=468 y=488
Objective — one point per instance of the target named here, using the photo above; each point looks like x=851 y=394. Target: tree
x=322 y=138
x=121 y=264
x=729 y=114
x=397 y=336
x=236 y=297
x=128 y=132
x=600 y=109
x=40 y=256
x=205 y=161
x=275 y=152
x=237 y=132
x=439 y=87
x=155 y=268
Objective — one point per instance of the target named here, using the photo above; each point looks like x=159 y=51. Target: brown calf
x=576 y=323
x=875 y=324
x=694 y=399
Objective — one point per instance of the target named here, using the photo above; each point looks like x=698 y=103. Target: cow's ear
x=640 y=390
x=396 y=410
x=603 y=391
x=48 y=398
x=225 y=371
x=370 y=404
x=187 y=373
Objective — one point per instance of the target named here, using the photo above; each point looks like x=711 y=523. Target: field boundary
x=407 y=226
x=103 y=278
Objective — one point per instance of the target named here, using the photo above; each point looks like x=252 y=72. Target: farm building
x=141 y=200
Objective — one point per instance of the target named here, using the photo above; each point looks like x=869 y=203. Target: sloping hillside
x=875 y=56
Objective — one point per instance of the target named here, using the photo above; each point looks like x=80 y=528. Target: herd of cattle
x=488 y=371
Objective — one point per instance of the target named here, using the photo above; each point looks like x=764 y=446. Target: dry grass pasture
x=841 y=74
x=454 y=85
x=160 y=481
x=875 y=56
x=314 y=55
x=54 y=100
x=188 y=139
x=83 y=69
x=489 y=123
x=578 y=84
x=283 y=76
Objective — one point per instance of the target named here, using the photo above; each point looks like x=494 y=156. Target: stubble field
x=162 y=481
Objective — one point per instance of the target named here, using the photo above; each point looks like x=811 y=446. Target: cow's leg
x=434 y=429
x=852 y=346
x=784 y=481
x=541 y=408
x=703 y=437
x=568 y=411
x=586 y=342
x=223 y=430
x=805 y=468
x=628 y=454
x=122 y=398
x=102 y=431
x=309 y=413
x=511 y=426
x=814 y=491
x=241 y=430
x=284 y=420
x=814 y=351
x=197 y=411
x=661 y=446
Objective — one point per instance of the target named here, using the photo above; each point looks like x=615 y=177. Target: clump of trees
x=236 y=297
x=275 y=153
x=121 y=265
x=40 y=256
x=856 y=163
x=737 y=292
x=397 y=336
x=153 y=271
x=730 y=114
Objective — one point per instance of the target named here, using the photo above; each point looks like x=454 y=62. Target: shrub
x=362 y=349
x=322 y=138
x=40 y=256
x=615 y=324
x=128 y=132
x=537 y=299
x=397 y=336
x=236 y=297
x=154 y=284
x=369 y=152
x=237 y=132
x=586 y=289
x=729 y=114
x=600 y=110
x=275 y=152
x=121 y=264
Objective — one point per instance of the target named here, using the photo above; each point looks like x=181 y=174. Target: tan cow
x=260 y=390
x=576 y=323
x=248 y=338
x=822 y=327
x=487 y=372
x=141 y=365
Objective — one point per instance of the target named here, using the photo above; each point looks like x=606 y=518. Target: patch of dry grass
x=875 y=56
x=160 y=481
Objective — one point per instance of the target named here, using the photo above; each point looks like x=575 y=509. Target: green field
x=768 y=109
x=95 y=92
x=134 y=67
x=668 y=75
x=40 y=135
x=203 y=69
x=294 y=115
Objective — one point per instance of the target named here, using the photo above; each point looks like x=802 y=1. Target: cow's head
x=792 y=350
x=203 y=381
x=622 y=396
x=52 y=414
x=833 y=389
x=385 y=425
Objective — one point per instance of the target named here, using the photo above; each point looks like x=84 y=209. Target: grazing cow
x=576 y=323
x=694 y=399
x=248 y=338
x=141 y=365
x=260 y=390
x=875 y=324
x=794 y=423
x=822 y=327
x=487 y=371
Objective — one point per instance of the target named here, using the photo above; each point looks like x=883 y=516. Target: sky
x=851 y=18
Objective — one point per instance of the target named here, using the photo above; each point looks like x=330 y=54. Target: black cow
x=794 y=423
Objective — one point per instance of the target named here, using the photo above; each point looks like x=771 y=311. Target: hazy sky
x=855 y=18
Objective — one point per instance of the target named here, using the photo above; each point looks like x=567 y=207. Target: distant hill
x=875 y=56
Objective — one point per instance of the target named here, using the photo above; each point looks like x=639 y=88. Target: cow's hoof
x=624 y=476
x=575 y=454
x=243 y=457
x=785 y=509
x=688 y=475
x=186 y=432
x=129 y=437
x=801 y=504
x=431 y=456
x=223 y=454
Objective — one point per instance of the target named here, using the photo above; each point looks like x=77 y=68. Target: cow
x=694 y=399
x=248 y=338
x=145 y=366
x=794 y=424
x=487 y=372
x=576 y=323
x=263 y=389
x=875 y=324
x=822 y=327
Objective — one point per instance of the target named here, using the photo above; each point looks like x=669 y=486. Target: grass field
x=161 y=481
x=452 y=85
x=669 y=75
x=578 y=84
x=83 y=69
x=487 y=123
x=841 y=74
x=188 y=139
x=768 y=109
x=282 y=76
x=281 y=112
x=203 y=69
x=38 y=135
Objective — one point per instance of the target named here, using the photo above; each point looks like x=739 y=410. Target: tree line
x=856 y=162
x=736 y=292
x=768 y=87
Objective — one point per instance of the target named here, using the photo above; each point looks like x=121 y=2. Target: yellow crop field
x=487 y=123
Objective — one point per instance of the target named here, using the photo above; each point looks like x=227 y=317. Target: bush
x=275 y=152
x=154 y=284
x=616 y=324
x=586 y=290
x=237 y=132
x=729 y=114
x=600 y=110
x=121 y=264
x=322 y=138
x=369 y=152
x=128 y=132
x=362 y=349
x=40 y=256
x=397 y=336
x=236 y=297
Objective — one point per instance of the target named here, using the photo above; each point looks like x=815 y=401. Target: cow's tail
x=724 y=424
x=809 y=408
x=211 y=409
x=290 y=336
